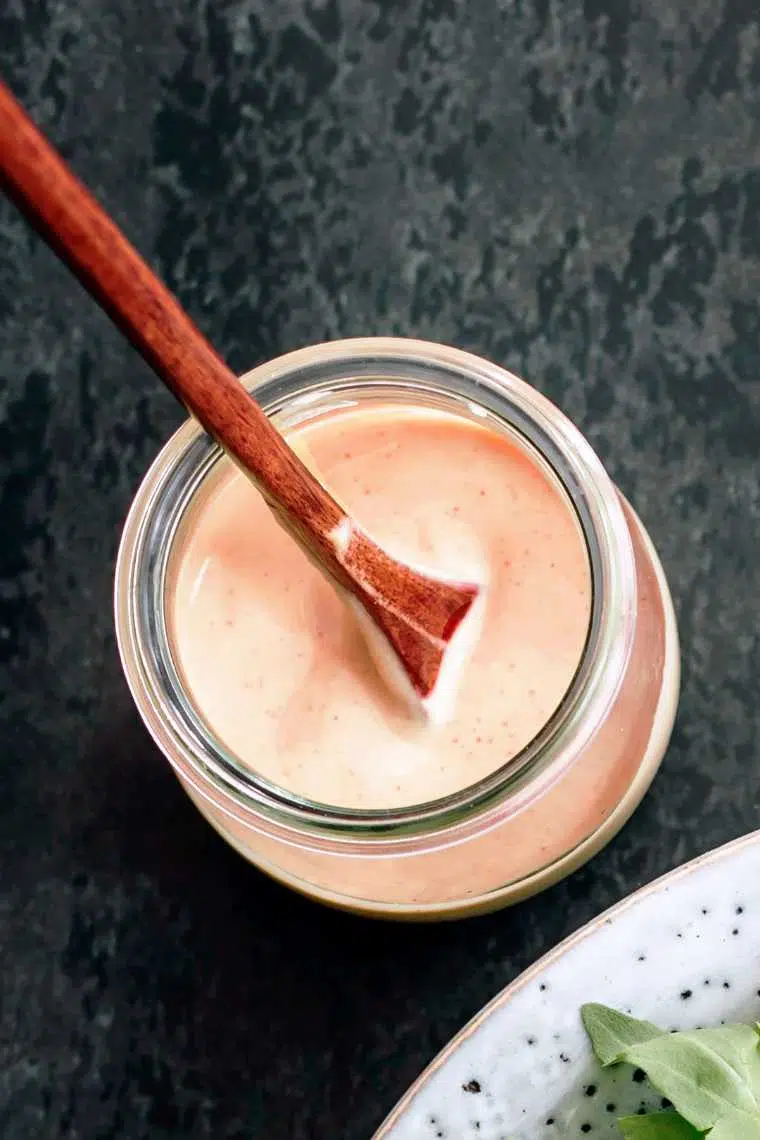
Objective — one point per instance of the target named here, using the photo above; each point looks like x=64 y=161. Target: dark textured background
x=571 y=187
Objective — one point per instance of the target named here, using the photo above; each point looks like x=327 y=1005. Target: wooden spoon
x=410 y=612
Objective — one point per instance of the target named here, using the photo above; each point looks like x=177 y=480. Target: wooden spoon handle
x=416 y=614
x=88 y=241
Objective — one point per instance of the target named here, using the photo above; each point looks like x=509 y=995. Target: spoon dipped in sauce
x=417 y=625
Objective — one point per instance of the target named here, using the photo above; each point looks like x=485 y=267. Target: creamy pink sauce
x=274 y=662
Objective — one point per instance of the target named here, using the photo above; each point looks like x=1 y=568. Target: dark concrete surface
x=571 y=187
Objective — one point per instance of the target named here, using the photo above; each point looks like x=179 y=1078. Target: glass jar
x=545 y=811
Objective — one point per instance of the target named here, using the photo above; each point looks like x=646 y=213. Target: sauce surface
x=274 y=662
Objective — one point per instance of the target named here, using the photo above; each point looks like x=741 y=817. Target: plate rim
x=685 y=870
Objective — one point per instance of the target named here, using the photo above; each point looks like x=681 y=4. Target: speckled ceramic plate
x=684 y=951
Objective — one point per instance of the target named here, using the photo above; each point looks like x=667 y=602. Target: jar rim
x=297 y=381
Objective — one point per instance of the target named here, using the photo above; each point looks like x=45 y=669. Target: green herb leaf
x=696 y=1079
x=712 y=1076
x=612 y=1033
x=736 y=1126
x=737 y=1045
x=658 y=1126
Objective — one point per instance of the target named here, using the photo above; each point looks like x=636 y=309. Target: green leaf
x=612 y=1033
x=658 y=1126
x=737 y=1045
x=712 y=1076
x=702 y=1086
x=736 y=1126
